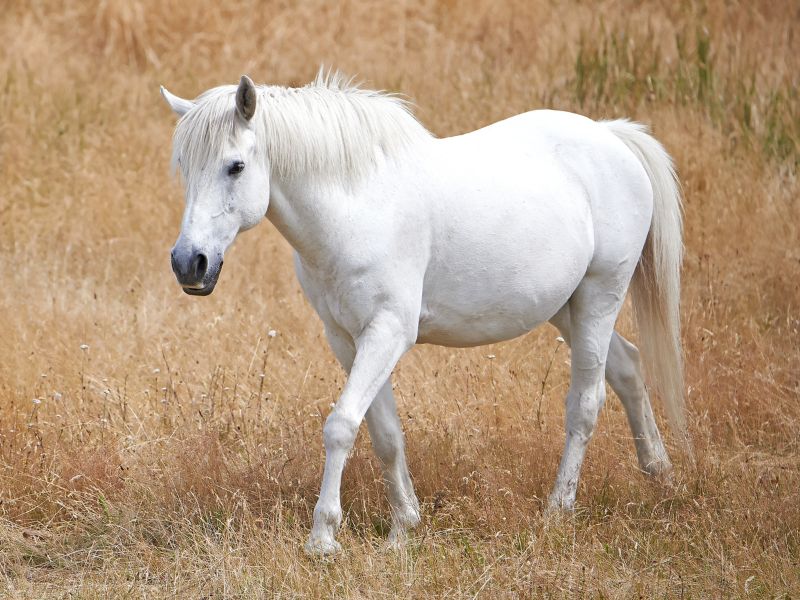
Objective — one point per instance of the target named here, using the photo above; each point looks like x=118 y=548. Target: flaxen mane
x=329 y=127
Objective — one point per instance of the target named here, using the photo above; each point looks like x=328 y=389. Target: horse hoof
x=322 y=547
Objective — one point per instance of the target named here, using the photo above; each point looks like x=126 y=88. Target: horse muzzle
x=196 y=274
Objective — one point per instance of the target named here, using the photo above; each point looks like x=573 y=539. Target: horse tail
x=656 y=284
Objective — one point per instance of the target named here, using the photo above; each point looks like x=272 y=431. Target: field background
x=156 y=445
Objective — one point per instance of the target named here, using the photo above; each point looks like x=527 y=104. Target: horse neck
x=303 y=211
x=318 y=214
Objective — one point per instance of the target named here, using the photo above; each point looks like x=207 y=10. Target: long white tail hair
x=656 y=284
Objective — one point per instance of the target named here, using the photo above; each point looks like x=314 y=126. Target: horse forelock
x=328 y=128
x=201 y=133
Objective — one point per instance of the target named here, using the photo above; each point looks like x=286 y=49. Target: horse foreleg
x=387 y=440
x=377 y=350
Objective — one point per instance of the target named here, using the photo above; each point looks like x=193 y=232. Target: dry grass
x=180 y=453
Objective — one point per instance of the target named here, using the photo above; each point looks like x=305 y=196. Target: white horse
x=401 y=238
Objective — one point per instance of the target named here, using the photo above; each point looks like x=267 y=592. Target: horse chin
x=207 y=287
x=203 y=291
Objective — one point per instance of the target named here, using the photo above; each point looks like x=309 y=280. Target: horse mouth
x=203 y=291
x=206 y=287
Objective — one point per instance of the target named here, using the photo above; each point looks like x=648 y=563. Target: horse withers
x=402 y=238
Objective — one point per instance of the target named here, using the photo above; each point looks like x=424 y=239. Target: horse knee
x=339 y=432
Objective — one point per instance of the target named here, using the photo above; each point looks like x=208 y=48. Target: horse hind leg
x=593 y=311
x=624 y=375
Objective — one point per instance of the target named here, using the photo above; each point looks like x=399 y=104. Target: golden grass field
x=156 y=445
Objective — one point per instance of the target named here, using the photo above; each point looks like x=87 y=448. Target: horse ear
x=178 y=105
x=246 y=98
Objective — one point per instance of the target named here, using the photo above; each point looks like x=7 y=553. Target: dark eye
x=236 y=168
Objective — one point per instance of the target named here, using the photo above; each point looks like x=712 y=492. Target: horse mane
x=329 y=127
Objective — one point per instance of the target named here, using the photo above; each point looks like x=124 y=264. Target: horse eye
x=236 y=168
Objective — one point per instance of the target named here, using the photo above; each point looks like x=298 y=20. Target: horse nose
x=175 y=266
x=191 y=269
x=199 y=266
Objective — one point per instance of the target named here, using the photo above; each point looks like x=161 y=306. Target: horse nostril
x=172 y=260
x=200 y=267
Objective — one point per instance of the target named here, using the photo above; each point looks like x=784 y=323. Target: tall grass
x=622 y=68
x=157 y=445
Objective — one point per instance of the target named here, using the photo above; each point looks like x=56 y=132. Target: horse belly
x=446 y=327
x=500 y=280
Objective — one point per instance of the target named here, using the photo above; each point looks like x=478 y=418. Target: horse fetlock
x=397 y=539
x=328 y=517
x=402 y=522
x=562 y=498
x=559 y=503
x=659 y=470
x=406 y=516
x=653 y=458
